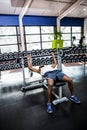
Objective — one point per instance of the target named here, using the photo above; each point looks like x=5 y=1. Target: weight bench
x=59 y=84
x=59 y=98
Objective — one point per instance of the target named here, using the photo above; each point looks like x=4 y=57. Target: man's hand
x=52 y=54
x=54 y=59
x=28 y=57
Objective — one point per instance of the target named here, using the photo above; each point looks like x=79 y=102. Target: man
x=81 y=41
x=52 y=73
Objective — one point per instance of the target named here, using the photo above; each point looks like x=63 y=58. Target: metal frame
x=59 y=97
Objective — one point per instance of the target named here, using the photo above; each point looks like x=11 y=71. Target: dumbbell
x=38 y=52
x=6 y=66
x=16 y=55
x=11 y=56
x=2 y=67
x=12 y=65
x=17 y=65
x=5 y=56
x=63 y=59
x=42 y=52
x=47 y=52
x=1 y=57
x=38 y=61
x=72 y=51
x=48 y=61
x=33 y=53
x=43 y=61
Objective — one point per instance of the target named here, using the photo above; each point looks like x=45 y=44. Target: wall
x=13 y=20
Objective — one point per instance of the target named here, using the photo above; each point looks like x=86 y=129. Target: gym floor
x=27 y=111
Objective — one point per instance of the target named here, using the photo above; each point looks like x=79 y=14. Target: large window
x=76 y=32
x=32 y=35
x=36 y=37
x=8 y=39
x=68 y=33
x=47 y=34
x=39 y=37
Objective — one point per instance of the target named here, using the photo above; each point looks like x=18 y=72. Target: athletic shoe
x=49 y=108
x=75 y=99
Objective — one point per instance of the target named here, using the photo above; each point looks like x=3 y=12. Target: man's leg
x=49 y=90
x=49 y=95
x=71 y=88
x=70 y=83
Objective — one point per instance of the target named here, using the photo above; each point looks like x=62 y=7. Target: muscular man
x=52 y=73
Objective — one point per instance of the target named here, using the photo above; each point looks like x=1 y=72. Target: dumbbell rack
x=12 y=60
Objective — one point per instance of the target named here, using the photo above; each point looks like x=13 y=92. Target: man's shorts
x=55 y=75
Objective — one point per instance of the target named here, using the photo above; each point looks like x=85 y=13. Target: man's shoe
x=49 y=108
x=75 y=99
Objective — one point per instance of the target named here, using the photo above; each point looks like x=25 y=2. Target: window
x=32 y=36
x=66 y=35
x=39 y=37
x=76 y=32
x=47 y=35
x=32 y=30
x=8 y=39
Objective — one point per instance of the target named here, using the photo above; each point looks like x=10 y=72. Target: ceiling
x=68 y=8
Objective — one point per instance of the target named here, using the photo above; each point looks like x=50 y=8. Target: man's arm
x=30 y=66
x=55 y=61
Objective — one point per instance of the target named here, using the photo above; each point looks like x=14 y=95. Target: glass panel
x=66 y=36
x=33 y=46
x=11 y=48
x=67 y=44
x=7 y=30
x=18 y=30
x=76 y=42
x=46 y=45
x=32 y=38
x=32 y=30
x=45 y=29
x=65 y=29
x=8 y=40
x=47 y=37
x=78 y=35
x=76 y=29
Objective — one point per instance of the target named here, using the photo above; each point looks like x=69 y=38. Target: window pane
x=67 y=44
x=7 y=30
x=46 y=45
x=32 y=38
x=65 y=29
x=78 y=35
x=47 y=37
x=47 y=29
x=11 y=48
x=33 y=46
x=8 y=40
x=76 y=42
x=66 y=36
x=76 y=29
x=32 y=30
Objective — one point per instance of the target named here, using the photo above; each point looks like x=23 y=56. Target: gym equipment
x=59 y=98
x=5 y=56
x=66 y=55
x=16 y=55
x=11 y=56
x=1 y=57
